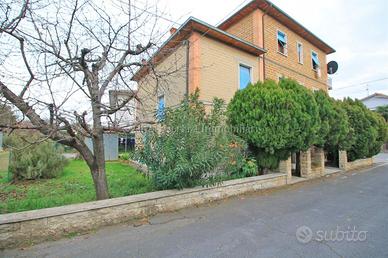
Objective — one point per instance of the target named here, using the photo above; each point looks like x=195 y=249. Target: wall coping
x=10 y=218
x=361 y=160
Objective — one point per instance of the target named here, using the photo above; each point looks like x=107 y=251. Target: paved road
x=258 y=225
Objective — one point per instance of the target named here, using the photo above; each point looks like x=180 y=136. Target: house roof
x=185 y=30
x=275 y=12
x=377 y=95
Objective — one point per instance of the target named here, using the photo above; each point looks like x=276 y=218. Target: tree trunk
x=100 y=182
x=98 y=168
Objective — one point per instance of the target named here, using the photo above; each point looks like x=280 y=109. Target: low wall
x=28 y=227
x=360 y=163
x=138 y=166
x=346 y=165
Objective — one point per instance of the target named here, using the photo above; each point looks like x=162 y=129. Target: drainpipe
x=187 y=44
x=262 y=22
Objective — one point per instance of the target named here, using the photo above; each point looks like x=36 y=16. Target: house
x=258 y=42
x=375 y=100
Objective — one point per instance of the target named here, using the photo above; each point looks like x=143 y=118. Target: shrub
x=275 y=120
x=369 y=130
x=383 y=111
x=334 y=131
x=124 y=156
x=35 y=161
x=191 y=147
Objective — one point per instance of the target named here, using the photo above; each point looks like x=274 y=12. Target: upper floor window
x=299 y=51
x=161 y=108
x=245 y=76
x=282 y=42
x=315 y=60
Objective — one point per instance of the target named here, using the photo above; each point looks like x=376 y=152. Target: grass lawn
x=3 y=161
x=74 y=186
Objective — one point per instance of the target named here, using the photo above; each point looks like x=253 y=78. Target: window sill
x=283 y=54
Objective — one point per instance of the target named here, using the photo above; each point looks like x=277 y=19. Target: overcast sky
x=357 y=29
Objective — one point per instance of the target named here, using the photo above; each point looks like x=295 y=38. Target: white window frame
x=312 y=65
x=238 y=71
x=301 y=59
x=277 y=44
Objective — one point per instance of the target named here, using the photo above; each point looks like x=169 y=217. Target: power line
x=361 y=84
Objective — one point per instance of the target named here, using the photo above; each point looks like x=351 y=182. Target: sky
x=357 y=29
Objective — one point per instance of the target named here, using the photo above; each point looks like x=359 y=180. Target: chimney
x=173 y=30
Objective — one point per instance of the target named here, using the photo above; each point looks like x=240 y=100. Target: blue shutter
x=245 y=76
x=161 y=107
x=282 y=37
x=315 y=58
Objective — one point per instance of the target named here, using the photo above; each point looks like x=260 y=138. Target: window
x=245 y=76
x=282 y=42
x=315 y=61
x=161 y=106
x=299 y=51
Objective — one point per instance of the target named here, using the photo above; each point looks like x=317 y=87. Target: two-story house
x=258 y=42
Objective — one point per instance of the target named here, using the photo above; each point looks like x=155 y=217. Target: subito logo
x=304 y=234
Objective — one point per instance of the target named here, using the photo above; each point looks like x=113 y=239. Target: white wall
x=375 y=102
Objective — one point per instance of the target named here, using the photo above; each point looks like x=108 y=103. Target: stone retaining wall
x=345 y=165
x=28 y=227
x=360 y=163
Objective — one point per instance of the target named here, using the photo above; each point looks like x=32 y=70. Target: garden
x=194 y=146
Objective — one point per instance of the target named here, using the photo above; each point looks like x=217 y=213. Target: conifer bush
x=277 y=119
x=29 y=161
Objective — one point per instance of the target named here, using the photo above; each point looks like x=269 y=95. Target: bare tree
x=59 y=59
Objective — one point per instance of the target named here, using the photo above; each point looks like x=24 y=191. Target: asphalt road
x=348 y=210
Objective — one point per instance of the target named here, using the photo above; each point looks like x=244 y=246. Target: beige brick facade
x=257 y=25
x=277 y=64
x=172 y=87
x=244 y=29
x=220 y=69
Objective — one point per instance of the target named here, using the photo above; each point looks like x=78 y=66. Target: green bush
x=124 y=156
x=383 y=111
x=34 y=161
x=275 y=120
x=334 y=130
x=191 y=147
x=369 y=130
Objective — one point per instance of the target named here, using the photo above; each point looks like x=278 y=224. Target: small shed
x=111 y=146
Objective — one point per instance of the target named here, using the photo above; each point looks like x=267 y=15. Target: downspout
x=263 y=26
x=187 y=43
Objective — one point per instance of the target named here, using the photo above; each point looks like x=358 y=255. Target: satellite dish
x=332 y=67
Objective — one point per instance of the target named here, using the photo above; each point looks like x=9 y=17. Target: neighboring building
x=375 y=100
x=256 y=43
x=125 y=116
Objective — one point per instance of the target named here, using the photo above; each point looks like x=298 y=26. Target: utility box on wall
x=111 y=146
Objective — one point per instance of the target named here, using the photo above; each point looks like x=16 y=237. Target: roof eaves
x=211 y=27
x=228 y=34
x=332 y=50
